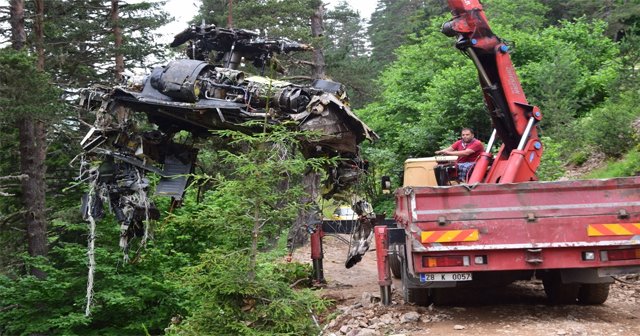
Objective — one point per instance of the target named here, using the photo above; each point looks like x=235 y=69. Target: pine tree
x=390 y=25
x=23 y=84
x=82 y=46
x=348 y=54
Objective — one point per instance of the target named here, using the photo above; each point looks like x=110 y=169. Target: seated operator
x=467 y=149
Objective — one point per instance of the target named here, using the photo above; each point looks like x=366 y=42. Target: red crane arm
x=512 y=116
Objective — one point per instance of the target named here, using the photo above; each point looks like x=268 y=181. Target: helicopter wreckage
x=203 y=93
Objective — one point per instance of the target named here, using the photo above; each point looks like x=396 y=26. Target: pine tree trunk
x=311 y=181
x=307 y=216
x=230 y=15
x=32 y=158
x=39 y=29
x=18 y=35
x=117 y=35
x=253 y=254
x=32 y=149
x=317 y=31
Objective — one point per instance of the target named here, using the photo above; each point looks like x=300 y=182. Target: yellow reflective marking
x=473 y=236
x=618 y=229
x=425 y=235
x=592 y=232
x=596 y=230
x=449 y=236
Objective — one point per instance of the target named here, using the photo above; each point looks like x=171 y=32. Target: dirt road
x=520 y=309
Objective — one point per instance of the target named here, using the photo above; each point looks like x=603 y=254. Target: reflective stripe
x=449 y=236
x=597 y=230
x=635 y=241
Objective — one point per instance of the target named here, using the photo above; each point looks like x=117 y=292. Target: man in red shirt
x=467 y=149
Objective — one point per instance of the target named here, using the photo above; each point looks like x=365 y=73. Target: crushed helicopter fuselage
x=195 y=96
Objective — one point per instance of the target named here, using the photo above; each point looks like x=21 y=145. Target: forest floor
x=519 y=309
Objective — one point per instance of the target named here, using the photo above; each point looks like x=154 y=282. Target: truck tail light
x=625 y=254
x=445 y=261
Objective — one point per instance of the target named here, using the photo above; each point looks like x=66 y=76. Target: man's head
x=466 y=134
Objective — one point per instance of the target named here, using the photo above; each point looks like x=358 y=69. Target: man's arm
x=448 y=151
x=445 y=151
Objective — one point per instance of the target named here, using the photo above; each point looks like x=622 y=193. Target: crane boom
x=512 y=116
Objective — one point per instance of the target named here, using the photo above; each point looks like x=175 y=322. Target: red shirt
x=475 y=144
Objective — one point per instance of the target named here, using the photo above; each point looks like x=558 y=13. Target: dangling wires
x=91 y=245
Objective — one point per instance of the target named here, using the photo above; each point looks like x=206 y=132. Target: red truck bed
x=524 y=226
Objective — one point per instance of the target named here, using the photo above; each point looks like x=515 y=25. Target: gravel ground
x=519 y=309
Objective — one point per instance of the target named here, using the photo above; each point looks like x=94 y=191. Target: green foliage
x=25 y=94
x=289 y=273
x=628 y=165
x=609 y=128
x=385 y=31
x=235 y=288
x=346 y=54
x=227 y=302
x=620 y=16
x=551 y=165
x=578 y=158
x=428 y=91
x=126 y=296
x=25 y=91
x=525 y=15
x=567 y=71
x=79 y=42
x=431 y=91
x=630 y=70
x=385 y=204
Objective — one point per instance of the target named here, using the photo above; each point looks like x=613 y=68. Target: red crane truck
x=504 y=225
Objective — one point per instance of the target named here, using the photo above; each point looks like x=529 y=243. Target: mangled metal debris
x=203 y=93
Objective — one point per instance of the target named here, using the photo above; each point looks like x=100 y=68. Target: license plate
x=430 y=277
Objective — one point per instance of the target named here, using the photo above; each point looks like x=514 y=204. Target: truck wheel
x=395 y=263
x=558 y=292
x=418 y=296
x=593 y=294
x=439 y=296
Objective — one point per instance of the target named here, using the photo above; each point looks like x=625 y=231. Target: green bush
x=550 y=168
x=629 y=165
x=227 y=302
x=237 y=284
x=126 y=297
x=609 y=127
x=578 y=158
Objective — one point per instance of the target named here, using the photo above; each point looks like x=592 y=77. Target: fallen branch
x=300 y=77
x=14 y=177
x=9 y=307
x=293 y=285
x=303 y=62
x=626 y=282
x=11 y=218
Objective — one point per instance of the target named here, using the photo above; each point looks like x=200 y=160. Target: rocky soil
x=520 y=309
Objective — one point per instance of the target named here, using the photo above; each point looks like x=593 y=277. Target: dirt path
x=520 y=309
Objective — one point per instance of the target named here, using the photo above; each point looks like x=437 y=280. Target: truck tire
x=418 y=296
x=452 y=296
x=395 y=261
x=558 y=292
x=593 y=294
x=410 y=293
